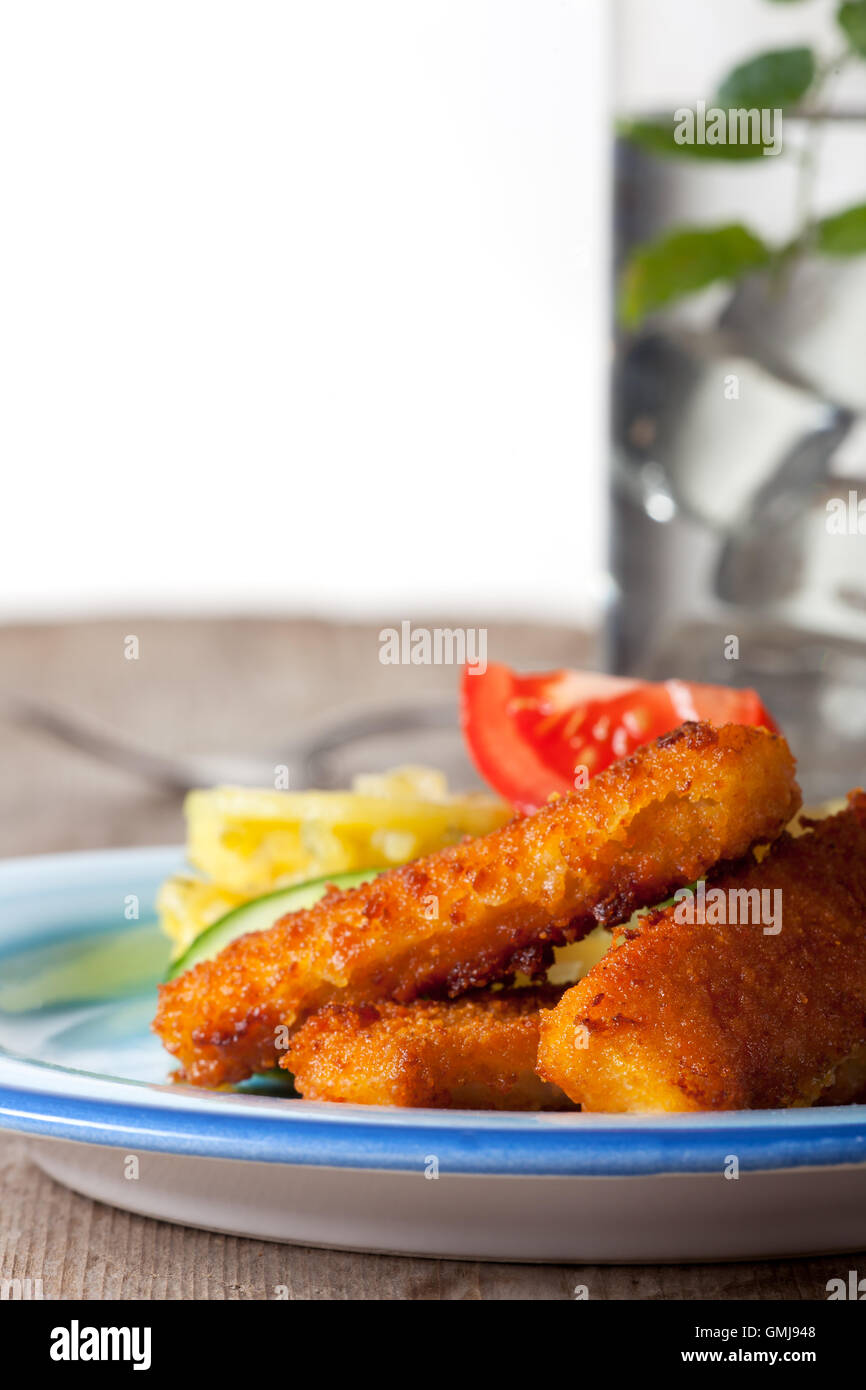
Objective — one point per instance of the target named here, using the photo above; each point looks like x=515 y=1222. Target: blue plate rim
x=459 y=1142
x=138 y=1116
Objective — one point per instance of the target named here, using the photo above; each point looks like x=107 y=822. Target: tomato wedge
x=532 y=735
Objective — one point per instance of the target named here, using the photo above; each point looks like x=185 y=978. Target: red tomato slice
x=533 y=735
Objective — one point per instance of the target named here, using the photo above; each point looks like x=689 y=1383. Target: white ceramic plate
x=81 y=1074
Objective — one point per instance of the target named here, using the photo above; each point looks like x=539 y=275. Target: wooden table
x=227 y=686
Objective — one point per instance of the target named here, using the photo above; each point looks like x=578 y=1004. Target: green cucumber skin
x=259 y=914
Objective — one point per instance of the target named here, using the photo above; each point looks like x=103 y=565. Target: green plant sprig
x=684 y=260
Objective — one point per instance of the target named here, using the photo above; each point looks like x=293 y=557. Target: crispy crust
x=475 y=1053
x=478 y=911
x=727 y=1017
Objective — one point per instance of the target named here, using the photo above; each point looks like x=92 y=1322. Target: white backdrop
x=302 y=305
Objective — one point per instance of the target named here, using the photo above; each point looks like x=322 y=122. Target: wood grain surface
x=228 y=686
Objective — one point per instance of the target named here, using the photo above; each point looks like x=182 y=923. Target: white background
x=302 y=302
x=302 y=305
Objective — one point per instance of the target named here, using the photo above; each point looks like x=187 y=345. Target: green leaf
x=657 y=137
x=777 y=79
x=843 y=234
x=683 y=261
x=852 y=18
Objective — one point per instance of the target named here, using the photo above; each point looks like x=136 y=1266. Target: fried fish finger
x=732 y=1014
x=476 y=912
x=474 y=1053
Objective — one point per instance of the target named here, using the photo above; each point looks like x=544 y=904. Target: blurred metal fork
x=307 y=756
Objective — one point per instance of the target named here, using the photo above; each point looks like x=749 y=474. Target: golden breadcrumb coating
x=478 y=911
x=474 y=1053
x=732 y=1015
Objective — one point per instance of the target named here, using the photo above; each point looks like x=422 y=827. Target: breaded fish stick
x=731 y=1015
x=476 y=912
x=474 y=1053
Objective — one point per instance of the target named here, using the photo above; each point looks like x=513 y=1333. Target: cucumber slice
x=261 y=913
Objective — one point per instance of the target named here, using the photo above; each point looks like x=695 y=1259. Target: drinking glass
x=739 y=378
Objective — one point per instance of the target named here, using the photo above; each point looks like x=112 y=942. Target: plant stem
x=808 y=157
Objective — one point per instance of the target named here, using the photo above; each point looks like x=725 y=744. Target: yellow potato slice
x=248 y=841
x=187 y=905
